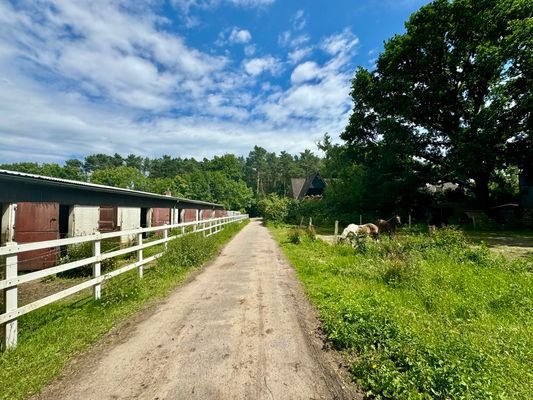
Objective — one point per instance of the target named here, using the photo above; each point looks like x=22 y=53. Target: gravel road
x=240 y=329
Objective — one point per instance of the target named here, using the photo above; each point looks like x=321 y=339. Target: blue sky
x=189 y=78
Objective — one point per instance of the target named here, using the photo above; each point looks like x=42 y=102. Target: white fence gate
x=10 y=278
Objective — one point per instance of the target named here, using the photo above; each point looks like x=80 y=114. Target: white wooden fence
x=10 y=279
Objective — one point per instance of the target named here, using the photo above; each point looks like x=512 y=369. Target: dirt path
x=241 y=329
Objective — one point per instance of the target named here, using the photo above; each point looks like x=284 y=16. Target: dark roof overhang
x=21 y=187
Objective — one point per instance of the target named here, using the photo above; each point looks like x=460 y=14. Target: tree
x=308 y=162
x=256 y=169
x=452 y=95
x=122 y=177
x=102 y=161
x=135 y=162
x=287 y=167
x=229 y=164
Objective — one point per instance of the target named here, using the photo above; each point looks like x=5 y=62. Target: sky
x=186 y=78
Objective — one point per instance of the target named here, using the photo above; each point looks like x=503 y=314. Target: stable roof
x=22 y=187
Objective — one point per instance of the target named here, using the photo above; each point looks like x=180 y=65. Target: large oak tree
x=453 y=95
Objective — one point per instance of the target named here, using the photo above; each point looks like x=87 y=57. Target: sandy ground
x=241 y=329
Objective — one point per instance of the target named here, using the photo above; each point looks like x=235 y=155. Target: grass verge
x=423 y=317
x=53 y=335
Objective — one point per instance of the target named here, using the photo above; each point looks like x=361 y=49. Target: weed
x=80 y=251
x=299 y=235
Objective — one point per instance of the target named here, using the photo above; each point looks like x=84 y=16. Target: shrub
x=296 y=235
x=299 y=235
x=274 y=208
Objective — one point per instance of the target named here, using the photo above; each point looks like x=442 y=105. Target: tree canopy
x=450 y=99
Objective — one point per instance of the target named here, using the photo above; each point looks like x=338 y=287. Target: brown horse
x=389 y=225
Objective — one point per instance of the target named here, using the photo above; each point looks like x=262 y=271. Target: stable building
x=38 y=208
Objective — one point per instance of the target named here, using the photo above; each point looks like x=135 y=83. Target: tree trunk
x=481 y=191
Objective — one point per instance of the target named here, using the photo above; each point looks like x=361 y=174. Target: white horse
x=353 y=231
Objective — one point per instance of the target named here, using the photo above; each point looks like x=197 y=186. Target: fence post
x=310 y=221
x=165 y=236
x=140 y=253
x=336 y=231
x=360 y=219
x=97 y=269
x=9 y=331
x=409 y=220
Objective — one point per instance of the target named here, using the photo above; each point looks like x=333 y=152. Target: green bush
x=274 y=208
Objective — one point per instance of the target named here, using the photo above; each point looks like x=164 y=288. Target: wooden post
x=196 y=218
x=336 y=231
x=97 y=269
x=9 y=331
x=310 y=221
x=140 y=254
x=165 y=236
x=409 y=220
x=7 y=231
x=360 y=219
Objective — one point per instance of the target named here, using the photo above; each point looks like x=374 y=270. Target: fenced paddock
x=11 y=279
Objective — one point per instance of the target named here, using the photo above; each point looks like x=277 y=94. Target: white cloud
x=257 y=66
x=298 y=20
x=238 y=35
x=108 y=52
x=305 y=72
x=234 y=35
x=319 y=96
x=297 y=55
x=251 y=3
x=186 y=7
x=287 y=39
x=340 y=43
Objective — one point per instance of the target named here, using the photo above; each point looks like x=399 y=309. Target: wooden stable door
x=37 y=222
x=108 y=219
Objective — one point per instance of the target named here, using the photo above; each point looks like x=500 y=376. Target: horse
x=354 y=231
x=389 y=225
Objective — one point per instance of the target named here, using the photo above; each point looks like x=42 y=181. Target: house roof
x=300 y=186
x=297 y=184
x=21 y=187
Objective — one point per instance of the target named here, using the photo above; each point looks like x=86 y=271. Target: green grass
x=423 y=317
x=53 y=335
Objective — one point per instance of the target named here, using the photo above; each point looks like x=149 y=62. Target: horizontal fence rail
x=10 y=279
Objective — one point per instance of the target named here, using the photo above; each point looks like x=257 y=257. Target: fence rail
x=10 y=280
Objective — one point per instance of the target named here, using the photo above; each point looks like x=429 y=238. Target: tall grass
x=51 y=336
x=424 y=317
